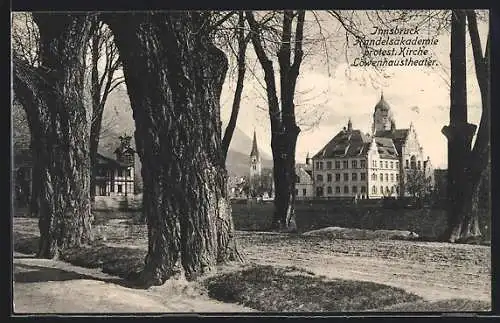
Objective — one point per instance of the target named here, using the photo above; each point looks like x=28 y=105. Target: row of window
x=329 y=177
x=413 y=164
x=121 y=172
x=362 y=164
x=329 y=189
x=387 y=164
x=387 y=190
x=354 y=189
x=354 y=177
x=381 y=177
x=345 y=164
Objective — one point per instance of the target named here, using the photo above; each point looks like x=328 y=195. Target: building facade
x=115 y=177
x=369 y=166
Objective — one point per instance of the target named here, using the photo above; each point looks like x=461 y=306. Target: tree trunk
x=97 y=108
x=462 y=222
x=174 y=76
x=53 y=98
x=283 y=148
x=242 y=46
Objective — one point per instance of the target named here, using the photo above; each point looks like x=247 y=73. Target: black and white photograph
x=251 y=161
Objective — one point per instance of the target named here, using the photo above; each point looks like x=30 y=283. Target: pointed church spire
x=349 y=125
x=255 y=149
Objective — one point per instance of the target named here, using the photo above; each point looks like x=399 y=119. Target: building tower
x=255 y=162
x=383 y=119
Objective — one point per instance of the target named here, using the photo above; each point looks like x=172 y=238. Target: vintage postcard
x=251 y=161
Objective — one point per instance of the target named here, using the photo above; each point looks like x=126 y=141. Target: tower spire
x=349 y=125
x=255 y=149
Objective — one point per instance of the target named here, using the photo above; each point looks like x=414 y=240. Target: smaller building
x=304 y=184
x=115 y=177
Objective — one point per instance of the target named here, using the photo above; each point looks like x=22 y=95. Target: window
x=329 y=190
x=386 y=177
x=392 y=177
x=392 y=189
x=354 y=189
x=346 y=177
x=381 y=177
x=363 y=176
x=397 y=189
x=412 y=162
x=296 y=192
x=319 y=191
x=319 y=177
x=304 y=191
x=112 y=188
x=120 y=172
x=381 y=164
x=345 y=164
x=386 y=164
x=354 y=176
x=374 y=190
x=337 y=177
x=328 y=165
x=362 y=163
x=397 y=165
x=346 y=189
x=337 y=189
x=363 y=189
x=337 y=164
x=407 y=163
x=374 y=176
x=320 y=165
x=418 y=165
x=381 y=190
x=397 y=177
x=354 y=164
x=374 y=163
x=297 y=179
x=317 y=165
x=328 y=177
x=120 y=188
x=387 y=189
x=392 y=165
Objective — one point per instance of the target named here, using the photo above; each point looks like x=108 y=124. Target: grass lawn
x=289 y=289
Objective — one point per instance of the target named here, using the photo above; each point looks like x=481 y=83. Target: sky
x=333 y=91
x=330 y=90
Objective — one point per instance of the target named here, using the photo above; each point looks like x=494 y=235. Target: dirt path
x=47 y=286
x=434 y=271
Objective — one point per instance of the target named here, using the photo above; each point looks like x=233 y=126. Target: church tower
x=255 y=162
x=383 y=119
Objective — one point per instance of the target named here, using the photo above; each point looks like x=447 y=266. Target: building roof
x=386 y=148
x=382 y=104
x=104 y=160
x=345 y=144
x=255 y=150
x=398 y=136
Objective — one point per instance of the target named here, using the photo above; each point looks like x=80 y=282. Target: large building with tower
x=370 y=166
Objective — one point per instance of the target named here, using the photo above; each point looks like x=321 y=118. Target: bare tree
x=284 y=127
x=52 y=96
x=240 y=54
x=104 y=66
x=467 y=166
x=174 y=88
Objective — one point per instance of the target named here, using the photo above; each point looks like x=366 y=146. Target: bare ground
x=434 y=271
